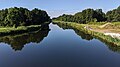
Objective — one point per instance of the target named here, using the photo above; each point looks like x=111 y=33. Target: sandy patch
x=114 y=35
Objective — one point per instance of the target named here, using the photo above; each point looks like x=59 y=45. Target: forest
x=14 y=17
x=91 y=15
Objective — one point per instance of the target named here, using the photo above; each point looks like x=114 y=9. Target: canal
x=57 y=47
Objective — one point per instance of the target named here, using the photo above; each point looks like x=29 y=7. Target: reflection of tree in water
x=86 y=36
x=115 y=48
x=17 y=42
x=82 y=34
x=110 y=45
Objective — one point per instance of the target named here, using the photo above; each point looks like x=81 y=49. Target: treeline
x=14 y=17
x=91 y=15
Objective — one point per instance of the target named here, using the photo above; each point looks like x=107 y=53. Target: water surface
x=56 y=47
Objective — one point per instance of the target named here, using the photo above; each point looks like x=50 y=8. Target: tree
x=91 y=15
x=113 y=15
x=14 y=17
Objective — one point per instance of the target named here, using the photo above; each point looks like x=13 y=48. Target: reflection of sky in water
x=54 y=27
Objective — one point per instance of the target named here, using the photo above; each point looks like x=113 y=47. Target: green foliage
x=91 y=15
x=113 y=15
x=14 y=17
x=65 y=17
x=86 y=16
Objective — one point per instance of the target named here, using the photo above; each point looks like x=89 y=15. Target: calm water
x=56 y=48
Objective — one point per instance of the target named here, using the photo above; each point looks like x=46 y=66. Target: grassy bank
x=18 y=30
x=23 y=29
x=98 y=35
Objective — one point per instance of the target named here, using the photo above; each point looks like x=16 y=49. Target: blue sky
x=58 y=7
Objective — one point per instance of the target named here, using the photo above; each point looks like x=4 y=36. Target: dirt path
x=112 y=32
x=115 y=33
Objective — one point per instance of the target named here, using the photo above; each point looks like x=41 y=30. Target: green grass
x=20 y=29
x=8 y=29
x=97 y=23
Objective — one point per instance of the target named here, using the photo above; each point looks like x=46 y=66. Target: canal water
x=56 y=47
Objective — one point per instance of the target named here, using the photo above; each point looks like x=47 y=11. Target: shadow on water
x=89 y=37
x=17 y=42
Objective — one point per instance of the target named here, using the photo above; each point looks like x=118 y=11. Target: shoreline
x=22 y=29
x=19 y=30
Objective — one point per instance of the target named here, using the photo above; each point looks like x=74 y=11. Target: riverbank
x=22 y=29
x=112 y=29
x=90 y=31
